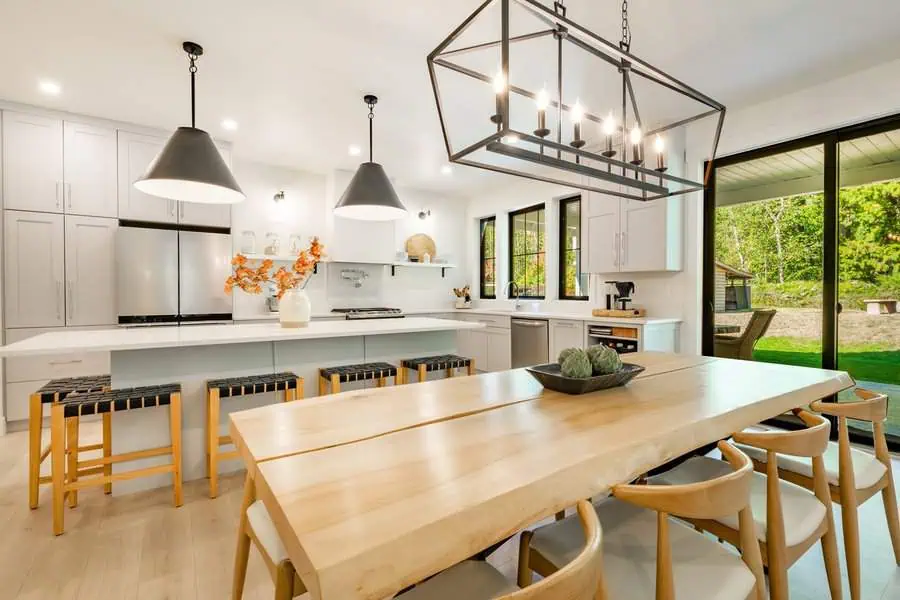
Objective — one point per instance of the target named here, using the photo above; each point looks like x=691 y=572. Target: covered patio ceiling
x=863 y=160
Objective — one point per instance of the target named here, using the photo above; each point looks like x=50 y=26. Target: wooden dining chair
x=853 y=475
x=648 y=555
x=741 y=346
x=789 y=519
x=580 y=579
x=256 y=526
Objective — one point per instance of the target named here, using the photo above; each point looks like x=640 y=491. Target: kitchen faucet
x=515 y=285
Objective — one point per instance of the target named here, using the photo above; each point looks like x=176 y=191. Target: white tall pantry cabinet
x=34 y=265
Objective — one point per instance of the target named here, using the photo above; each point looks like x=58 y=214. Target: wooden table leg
x=242 y=554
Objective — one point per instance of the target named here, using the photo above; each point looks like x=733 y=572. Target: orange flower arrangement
x=251 y=280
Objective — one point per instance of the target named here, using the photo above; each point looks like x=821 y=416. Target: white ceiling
x=292 y=72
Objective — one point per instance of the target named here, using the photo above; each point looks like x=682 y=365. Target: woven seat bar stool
x=66 y=413
x=233 y=387
x=54 y=391
x=377 y=371
x=445 y=362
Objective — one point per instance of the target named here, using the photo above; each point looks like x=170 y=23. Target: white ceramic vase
x=294 y=309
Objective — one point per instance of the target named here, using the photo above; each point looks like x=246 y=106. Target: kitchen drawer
x=48 y=367
x=17 y=395
x=500 y=321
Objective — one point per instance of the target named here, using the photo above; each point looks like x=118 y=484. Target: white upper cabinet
x=136 y=152
x=35 y=269
x=211 y=215
x=90 y=271
x=628 y=236
x=90 y=170
x=32 y=162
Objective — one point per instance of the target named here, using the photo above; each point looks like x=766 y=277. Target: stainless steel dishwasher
x=530 y=342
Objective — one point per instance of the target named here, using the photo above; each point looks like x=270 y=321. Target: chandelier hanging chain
x=559 y=7
x=193 y=70
x=625 y=44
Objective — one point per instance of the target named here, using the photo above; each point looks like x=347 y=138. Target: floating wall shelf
x=442 y=266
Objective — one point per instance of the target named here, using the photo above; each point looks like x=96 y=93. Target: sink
x=528 y=307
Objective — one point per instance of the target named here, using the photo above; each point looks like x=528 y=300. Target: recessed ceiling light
x=51 y=88
x=354 y=150
x=229 y=124
x=446 y=169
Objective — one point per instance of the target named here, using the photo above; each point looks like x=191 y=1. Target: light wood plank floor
x=139 y=547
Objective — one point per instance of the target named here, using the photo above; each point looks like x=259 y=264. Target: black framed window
x=527 y=251
x=573 y=282
x=487 y=252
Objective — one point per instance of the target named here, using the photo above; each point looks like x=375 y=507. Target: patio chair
x=741 y=346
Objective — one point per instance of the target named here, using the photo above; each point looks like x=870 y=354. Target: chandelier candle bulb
x=499 y=88
x=609 y=128
x=636 y=145
x=542 y=101
x=660 y=146
x=577 y=116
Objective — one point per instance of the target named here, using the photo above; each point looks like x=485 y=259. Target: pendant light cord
x=371 y=121
x=193 y=70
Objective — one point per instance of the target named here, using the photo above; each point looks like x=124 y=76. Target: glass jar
x=248 y=242
x=273 y=244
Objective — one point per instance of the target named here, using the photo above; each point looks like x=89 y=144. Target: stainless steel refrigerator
x=172 y=276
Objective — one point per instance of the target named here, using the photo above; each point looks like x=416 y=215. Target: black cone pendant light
x=189 y=168
x=370 y=195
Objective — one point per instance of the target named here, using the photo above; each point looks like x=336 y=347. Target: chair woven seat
x=108 y=401
x=360 y=372
x=437 y=363
x=230 y=387
x=57 y=389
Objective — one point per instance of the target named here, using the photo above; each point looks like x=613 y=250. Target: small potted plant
x=463 y=297
x=290 y=285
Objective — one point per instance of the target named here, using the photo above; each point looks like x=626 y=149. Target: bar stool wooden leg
x=323 y=384
x=242 y=554
x=212 y=441
x=451 y=372
x=289 y=395
x=72 y=457
x=107 y=449
x=423 y=374
x=381 y=382
x=299 y=393
x=335 y=383
x=399 y=377
x=58 y=466
x=35 y=418
x=175 y=425
x=284 y=580
x=471 y=369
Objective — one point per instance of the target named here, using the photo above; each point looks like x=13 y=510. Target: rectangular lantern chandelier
x=552 y=101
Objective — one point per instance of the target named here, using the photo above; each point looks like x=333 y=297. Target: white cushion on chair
x=702 y=567
x=803 y=512
x=264 y=530
x=867 y=469
x=469 y=580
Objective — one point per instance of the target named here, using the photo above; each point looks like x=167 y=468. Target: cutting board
x=631 y=313
x=419 y=244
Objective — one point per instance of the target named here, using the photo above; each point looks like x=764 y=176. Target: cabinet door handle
x=172 y=207
x=616 y=250
x=70 y=297
x=66 y=362
x=181 y=209
x=68 y=194
x=59 y=194
x=624 y=253
x=58 y=300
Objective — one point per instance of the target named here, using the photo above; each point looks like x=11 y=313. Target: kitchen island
x=190 y=355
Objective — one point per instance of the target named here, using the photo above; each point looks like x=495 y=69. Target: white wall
x=306 y=211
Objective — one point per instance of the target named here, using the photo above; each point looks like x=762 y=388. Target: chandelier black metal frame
x=639 y=182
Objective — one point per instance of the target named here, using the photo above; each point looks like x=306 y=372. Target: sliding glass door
x=802 y=257
x=869 y=265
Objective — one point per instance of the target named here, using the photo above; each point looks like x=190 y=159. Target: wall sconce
x=424 y=214
x=279 y=196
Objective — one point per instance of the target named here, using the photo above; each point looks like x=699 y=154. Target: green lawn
x=867 y=362
x=864 y=361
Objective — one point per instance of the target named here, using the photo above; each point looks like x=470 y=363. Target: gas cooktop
x=352 y=314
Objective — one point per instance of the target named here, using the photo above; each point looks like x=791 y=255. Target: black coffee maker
x=622 y=296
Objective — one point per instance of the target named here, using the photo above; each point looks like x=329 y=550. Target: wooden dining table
x=374 y=490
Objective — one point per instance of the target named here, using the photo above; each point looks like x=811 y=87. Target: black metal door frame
x=830 y=142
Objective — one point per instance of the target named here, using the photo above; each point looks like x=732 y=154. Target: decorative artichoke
x=604 y=360
x=565 y=354
x=577 y=365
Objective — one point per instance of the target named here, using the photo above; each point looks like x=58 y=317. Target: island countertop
x=139 y=338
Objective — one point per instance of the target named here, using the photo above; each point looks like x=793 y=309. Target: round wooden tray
x=418 y=245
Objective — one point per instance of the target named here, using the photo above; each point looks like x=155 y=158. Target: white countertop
x=138 y=338
x=526 y=314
